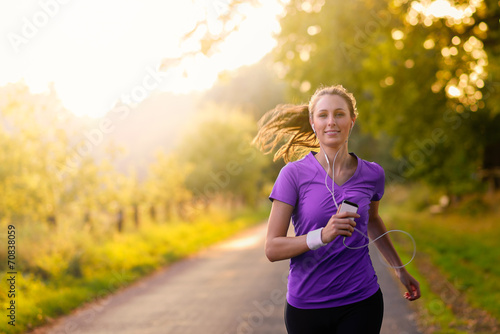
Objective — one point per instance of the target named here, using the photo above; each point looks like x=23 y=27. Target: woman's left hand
x=410 y=283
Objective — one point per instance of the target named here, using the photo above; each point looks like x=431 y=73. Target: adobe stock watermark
x=363 y=36
x=32 y=25
x=95 y=136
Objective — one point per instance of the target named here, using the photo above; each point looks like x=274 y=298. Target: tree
x=426 y=80
x=33 y=142
x=255 y=88
x=224 y=162
x=46 y=166
x=166 y=185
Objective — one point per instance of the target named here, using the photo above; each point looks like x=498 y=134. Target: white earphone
x=332 y=192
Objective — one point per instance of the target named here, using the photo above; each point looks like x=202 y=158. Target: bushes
x=62 y=271
x=459 y=246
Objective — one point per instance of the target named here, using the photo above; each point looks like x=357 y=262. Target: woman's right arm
x=280 y=247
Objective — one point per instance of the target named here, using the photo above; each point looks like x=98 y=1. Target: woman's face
x=332 y=120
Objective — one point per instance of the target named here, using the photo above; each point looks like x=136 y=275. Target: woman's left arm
x=376 y=227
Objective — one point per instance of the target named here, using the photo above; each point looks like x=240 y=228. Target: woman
x=332 y=286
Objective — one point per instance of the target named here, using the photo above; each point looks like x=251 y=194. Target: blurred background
x=127 y=125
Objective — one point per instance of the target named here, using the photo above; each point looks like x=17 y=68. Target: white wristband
x=314 y=239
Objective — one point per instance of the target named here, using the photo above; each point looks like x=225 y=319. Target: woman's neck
x=339 y=155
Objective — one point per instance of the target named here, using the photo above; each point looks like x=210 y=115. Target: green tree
x=225 y=165
x=47 y=167
x=33 y=141
x=427 y=81
x=165 y=186
x=255 y=88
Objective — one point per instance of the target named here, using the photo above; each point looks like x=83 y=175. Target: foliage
x=425 y=73
x=77 y=217
x=166 y=184
x=33 y=144
x=48 y=164
x=255 y=89
x=62 y=270
x=430 y=82
x=223 y=160
x=219 y=21
x=462 y=257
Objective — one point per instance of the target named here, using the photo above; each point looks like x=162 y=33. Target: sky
x=97 y=53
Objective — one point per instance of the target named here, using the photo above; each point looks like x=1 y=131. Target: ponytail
x=289 y=126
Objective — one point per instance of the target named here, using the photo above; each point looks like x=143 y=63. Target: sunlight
x=244 y=47
x=438 y=9
x=442 y=8
x=242 y=243
x=453 y=91
x=116 y=58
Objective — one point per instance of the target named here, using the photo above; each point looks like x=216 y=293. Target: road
x=226 y=289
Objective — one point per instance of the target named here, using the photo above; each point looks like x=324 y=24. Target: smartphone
x=348 y=206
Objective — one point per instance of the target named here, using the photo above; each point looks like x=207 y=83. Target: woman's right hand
x=339 y=224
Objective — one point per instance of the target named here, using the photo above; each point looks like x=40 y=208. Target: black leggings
x=364 y=317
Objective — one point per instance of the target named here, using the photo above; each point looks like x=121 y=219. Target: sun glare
x=246 y=46
x=117 y=57
x=432 y=10
x=442 y=8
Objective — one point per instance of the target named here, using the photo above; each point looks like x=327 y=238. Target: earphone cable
x=332 y=191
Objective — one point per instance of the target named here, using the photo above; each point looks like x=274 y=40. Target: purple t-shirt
x=332 y=275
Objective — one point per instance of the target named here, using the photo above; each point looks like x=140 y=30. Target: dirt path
x=230 y=288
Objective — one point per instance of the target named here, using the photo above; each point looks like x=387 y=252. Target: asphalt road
x=229 y=288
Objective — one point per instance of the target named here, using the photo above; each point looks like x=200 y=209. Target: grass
x=456 y=263
x=62 y=270
x=458 y=253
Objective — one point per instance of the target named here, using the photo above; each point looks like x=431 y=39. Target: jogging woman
x=332 y=286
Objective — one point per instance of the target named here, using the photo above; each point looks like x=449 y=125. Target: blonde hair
x=288 y=125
